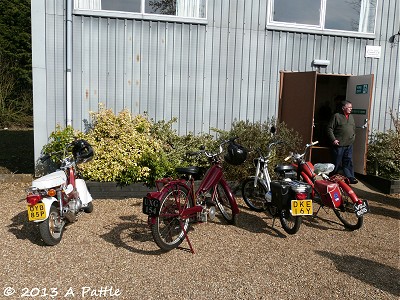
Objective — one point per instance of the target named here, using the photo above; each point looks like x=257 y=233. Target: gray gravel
x=110 y=253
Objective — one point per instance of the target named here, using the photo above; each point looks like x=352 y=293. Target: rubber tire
x=47 y=233
x=167 y=232
x=289 y=223
x=89 y=208
x=254 y=197
x=224 y=205
x=346 y=213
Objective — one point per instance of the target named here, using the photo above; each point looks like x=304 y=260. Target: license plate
x=151 y=207
x=361 y=209
x=301 y=207
x=36 y=212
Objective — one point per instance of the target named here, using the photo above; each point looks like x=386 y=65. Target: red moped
x=330 y=191
x=177 y=202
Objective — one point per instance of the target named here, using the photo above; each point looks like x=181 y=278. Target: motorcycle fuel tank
x=50 y=180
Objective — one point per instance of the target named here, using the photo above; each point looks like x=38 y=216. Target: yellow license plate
x=302 y=207
x=36 y=212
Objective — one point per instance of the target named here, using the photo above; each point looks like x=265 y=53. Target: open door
x=359 y=92
x=296 y=102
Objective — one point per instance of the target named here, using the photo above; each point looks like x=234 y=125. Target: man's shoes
x=353 y=180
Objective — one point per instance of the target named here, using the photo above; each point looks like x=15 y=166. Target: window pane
x=161 y=7
x=121 y=5
x=299 y=11
x=351 y=15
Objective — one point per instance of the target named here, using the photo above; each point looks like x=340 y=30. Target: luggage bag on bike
x=329 y=192
x=283 y=192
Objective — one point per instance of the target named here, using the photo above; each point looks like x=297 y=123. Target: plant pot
x=387 y=186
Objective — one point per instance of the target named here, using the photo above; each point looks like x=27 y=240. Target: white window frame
x=93 y=8
x=317 y=29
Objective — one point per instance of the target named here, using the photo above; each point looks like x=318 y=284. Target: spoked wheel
x=168 y=230
x=254 y=194
x=289 y=223
x=52 y=229
x=224 y=206
x=346 y=212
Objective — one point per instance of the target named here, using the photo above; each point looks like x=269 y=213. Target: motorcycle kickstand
x=186 y=237
x=320 y=206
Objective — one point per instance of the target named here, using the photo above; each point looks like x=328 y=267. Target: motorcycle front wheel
x=168 y=228
x=346 y=213
x=254 y=195
x=224 y=205
x=291 y=224
x=51 y=230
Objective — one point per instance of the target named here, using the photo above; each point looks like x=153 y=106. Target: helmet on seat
x=82 y=151
x=236 y=154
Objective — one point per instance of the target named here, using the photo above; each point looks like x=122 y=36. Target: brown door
x=359 y=92
x=296 y=102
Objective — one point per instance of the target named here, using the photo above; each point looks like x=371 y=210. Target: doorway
x=308 y=100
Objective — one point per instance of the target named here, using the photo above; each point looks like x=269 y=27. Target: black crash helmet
x=236 y=154
x=82 y=151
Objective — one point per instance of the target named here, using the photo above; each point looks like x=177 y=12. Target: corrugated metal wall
x=205 y=75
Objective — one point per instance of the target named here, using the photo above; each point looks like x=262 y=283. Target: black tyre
x=89 y=208
x=291 y=224
x=168 y=229
x=224 y=205
x=254 y=195
x=52 y=229
x=346 y=213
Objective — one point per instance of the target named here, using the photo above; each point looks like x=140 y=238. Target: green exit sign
x=358 y=111
x=362 y=89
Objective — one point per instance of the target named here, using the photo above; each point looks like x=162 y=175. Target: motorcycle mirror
x=273 y=129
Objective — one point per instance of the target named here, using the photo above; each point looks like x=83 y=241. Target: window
x=180 y=8
x=336 y=15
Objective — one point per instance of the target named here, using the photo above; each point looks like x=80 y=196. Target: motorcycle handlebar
x=209 y=154
x=297 y=155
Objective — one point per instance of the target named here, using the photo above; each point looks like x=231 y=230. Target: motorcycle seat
x=188 y=170
x=284 y=168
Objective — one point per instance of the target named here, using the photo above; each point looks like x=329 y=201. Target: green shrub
x=136 y=149
x=384 y=152
x=123 y=145
x=258 y=135
x=58 y=140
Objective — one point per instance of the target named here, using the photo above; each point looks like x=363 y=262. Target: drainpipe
x=69 y=62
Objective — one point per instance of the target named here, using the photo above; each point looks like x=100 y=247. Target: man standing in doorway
x=341 y=133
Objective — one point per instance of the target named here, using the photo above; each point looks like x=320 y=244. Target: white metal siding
x=205 y=75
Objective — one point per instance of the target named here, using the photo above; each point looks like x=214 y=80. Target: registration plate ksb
x=301 y=207
x=36 y=212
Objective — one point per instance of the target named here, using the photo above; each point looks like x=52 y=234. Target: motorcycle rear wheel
x=49 y=232
x=346 y=213
x=167 y=231
x=290 y=223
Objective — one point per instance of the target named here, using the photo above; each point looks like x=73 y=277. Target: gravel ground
x=110 y=254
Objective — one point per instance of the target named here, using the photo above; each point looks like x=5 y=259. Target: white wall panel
x=206 y=75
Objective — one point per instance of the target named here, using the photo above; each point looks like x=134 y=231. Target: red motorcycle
x=330 y=191
x=177 y=202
